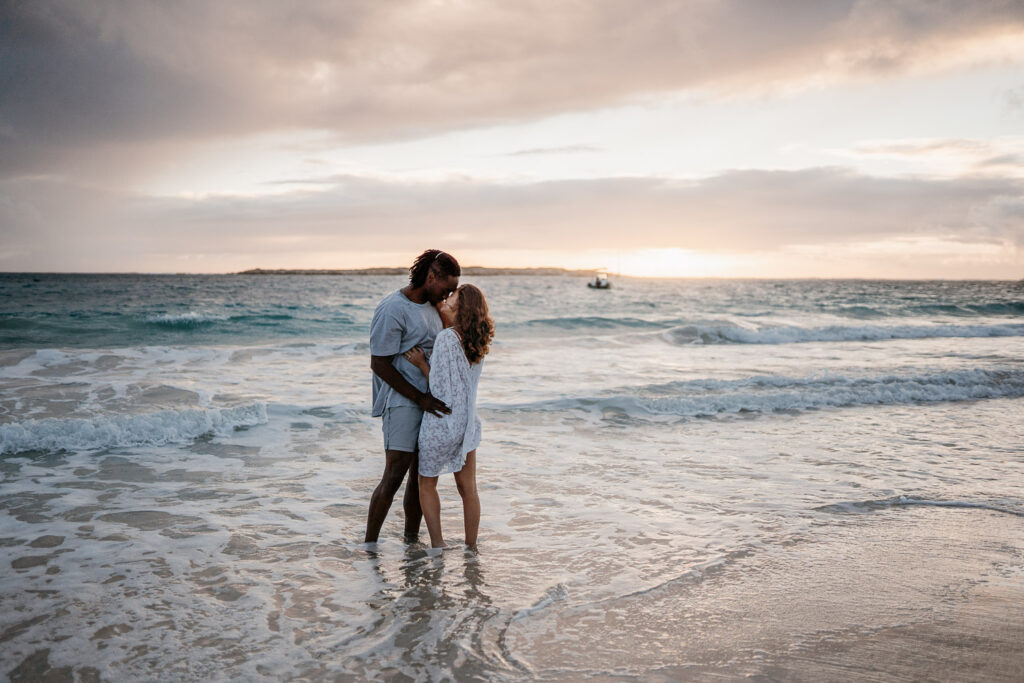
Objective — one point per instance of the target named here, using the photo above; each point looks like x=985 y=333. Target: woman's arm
x=416 y=356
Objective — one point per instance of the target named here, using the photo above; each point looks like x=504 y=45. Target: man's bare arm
x=382 y=367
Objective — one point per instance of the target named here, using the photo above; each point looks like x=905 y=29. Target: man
x=406 y=318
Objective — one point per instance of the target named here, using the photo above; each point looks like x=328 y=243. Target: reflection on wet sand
x=435 y=618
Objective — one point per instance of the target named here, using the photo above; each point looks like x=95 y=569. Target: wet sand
x=920 y=593
x=914 y=594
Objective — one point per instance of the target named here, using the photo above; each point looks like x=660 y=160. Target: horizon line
x=508 y=271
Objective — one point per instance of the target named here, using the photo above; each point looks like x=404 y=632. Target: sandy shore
x=905 y=594
x=893 y=594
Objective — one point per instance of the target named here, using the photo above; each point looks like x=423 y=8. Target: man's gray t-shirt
x=398 y=325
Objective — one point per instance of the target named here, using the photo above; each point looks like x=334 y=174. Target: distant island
x=468 y=271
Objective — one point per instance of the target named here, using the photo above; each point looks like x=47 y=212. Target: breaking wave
x=190 y=319
x=768 y=394
x=119 y=431
x=745 y=331
x=731 y=333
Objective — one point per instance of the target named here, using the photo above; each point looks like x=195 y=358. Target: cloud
x=1002 y=217
x=570 y=149
x=951 y=157
x=918 y=147
x=80 y=76
x=738 y=212
x=1008 y=161
x=1013 y=100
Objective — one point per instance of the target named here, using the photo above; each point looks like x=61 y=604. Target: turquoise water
x=82 y=311
x=131 y=310
x=676 y=476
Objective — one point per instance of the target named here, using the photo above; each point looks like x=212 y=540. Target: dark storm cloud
x=78 y=76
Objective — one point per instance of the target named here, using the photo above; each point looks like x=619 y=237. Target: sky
x=700 y=138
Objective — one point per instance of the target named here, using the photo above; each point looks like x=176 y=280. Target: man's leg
x=396 y=465
x=411 y=501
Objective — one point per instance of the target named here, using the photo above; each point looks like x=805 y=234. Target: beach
x=680 y=479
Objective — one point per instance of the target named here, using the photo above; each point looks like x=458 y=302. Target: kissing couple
x=427 y=345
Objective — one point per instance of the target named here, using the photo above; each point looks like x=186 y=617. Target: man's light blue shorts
x=401 y=426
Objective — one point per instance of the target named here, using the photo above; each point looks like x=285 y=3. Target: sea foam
x=707 y=397
x=731 y=333
x=190 y=319
x=119 y=431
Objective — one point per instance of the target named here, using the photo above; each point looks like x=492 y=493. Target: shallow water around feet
x=679 y=479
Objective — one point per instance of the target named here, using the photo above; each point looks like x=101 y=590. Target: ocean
x=680 y=479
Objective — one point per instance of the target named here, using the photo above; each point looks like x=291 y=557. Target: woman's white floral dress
x=444 y=441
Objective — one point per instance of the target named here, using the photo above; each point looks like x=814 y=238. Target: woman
x=448 y=443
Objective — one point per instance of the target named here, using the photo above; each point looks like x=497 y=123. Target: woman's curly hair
x=474 y=323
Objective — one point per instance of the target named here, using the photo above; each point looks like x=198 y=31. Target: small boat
x=600 y=281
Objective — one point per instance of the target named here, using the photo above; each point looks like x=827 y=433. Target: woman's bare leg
x=465 y=480
x=430 y=502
